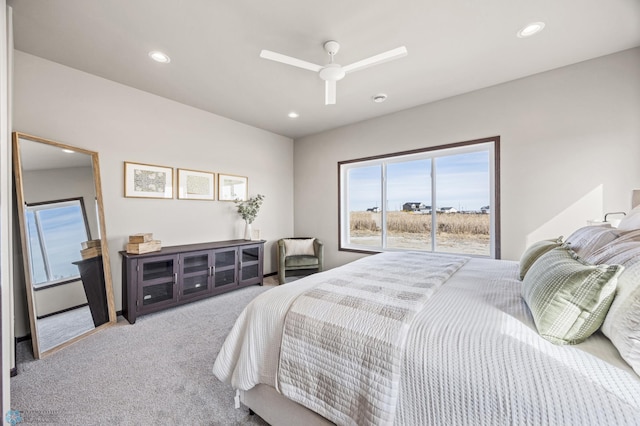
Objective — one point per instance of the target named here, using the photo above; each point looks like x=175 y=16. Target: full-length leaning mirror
x=64 y=246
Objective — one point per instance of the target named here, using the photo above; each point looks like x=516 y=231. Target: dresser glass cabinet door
x=196 y=268
x=157 y=278
x=250 y=265
x=225 y=268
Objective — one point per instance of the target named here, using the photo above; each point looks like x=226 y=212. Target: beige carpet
x=156 y=372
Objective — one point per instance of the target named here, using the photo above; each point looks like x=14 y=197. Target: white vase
x=247 y=231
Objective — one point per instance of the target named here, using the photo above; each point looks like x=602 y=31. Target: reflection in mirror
x=66 y=261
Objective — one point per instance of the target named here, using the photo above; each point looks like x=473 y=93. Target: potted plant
x=248 y=210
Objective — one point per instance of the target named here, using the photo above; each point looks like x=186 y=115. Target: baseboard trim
x=23 y=338
x=63 y=311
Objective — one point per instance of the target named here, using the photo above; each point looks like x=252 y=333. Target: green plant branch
x=248 y=210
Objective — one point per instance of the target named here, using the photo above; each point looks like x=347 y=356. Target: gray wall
x=125 y=124
x=570 y=149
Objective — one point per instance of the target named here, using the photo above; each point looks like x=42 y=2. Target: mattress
x=472 y=356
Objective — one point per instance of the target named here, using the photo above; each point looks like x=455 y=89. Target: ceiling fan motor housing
x=332 y=72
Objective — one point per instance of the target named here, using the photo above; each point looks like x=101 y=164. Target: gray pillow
x=588 y=239
x=568 y=297
x=613 y=250
x=534 y=251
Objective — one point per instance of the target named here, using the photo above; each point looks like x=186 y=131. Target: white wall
x=570 y=150
x=125 y=124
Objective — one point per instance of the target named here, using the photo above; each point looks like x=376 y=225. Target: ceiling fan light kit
x=333 y=72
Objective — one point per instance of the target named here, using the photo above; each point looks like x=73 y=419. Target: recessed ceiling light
x=531 y=29
x=293 y=114
x=379 y=98
x=160 y=57
x=68 y=151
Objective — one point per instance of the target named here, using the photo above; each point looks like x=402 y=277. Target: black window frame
x=494 y=204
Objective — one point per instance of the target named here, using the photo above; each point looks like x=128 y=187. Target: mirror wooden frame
x=17 y=169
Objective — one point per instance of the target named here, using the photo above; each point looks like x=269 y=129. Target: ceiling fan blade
x=389 y=55
x=330 y=92
x=278 y=57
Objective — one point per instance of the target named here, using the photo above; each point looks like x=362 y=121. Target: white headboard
x=635 y=198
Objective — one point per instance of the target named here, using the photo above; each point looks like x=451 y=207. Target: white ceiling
x=455 y=46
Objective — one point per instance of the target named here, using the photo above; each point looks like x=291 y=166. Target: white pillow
x=588 y=239
x=299 y=247
x=622 y=323
x=631 y=221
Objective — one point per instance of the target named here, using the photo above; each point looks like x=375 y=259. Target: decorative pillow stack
x=568 y=297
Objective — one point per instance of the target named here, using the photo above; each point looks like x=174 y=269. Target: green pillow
x=568 y=297
x=535 y=251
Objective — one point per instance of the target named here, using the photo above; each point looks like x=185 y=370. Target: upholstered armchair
x=300 y=256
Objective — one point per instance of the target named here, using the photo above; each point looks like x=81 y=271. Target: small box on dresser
x=147 y=247
x=143 y=243
x=141 y=238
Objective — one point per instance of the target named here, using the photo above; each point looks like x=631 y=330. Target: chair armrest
x=281 y=260
x=281 y=252
x=318 y=248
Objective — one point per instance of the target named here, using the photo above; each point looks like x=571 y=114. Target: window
x=55 y=231
x=440 y=199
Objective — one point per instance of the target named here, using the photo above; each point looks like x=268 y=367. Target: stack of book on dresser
x=142 y=243
x=91 y=249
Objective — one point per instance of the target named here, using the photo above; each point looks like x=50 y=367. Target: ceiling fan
x=333 y=72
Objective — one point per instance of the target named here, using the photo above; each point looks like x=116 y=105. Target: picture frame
x=147 y=181
x=196 y=185
x=232 y=187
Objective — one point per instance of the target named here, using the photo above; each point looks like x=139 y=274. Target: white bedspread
x=472 y=357
x=345 y=338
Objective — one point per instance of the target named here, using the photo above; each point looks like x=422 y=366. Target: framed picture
x=196 y=185
x=232 y=187
x=147 y=181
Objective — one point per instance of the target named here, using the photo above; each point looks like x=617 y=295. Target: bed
x=460 y=343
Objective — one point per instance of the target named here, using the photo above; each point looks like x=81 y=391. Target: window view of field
x=453 y=187
x=456 y=232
